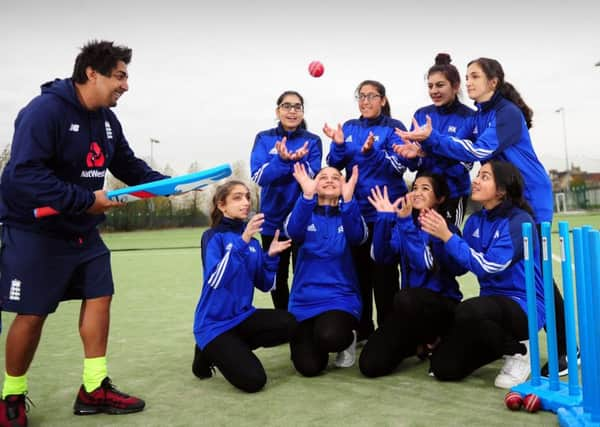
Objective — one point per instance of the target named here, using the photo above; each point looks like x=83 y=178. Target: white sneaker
x=346 y=358
x=516 y=369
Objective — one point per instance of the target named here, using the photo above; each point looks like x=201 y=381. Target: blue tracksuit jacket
x=492 y=248
x=379 y=166
x=502 y=134
x=231 y=268
x=325 y=277
x=59 y=157
x=424 y=261
x=455 y=120
x=279 y=189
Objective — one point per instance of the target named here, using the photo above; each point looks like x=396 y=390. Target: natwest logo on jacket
x=95 y=157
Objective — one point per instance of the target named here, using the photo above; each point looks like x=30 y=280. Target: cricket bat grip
x=44 y=211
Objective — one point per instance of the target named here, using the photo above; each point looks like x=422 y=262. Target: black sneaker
x=563 y=368
x=201 y=367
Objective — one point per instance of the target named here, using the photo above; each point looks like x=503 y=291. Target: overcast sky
x=205 y=78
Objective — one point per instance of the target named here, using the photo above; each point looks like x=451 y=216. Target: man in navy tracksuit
x=64 y=142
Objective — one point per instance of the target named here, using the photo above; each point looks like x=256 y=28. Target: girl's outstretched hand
x=381 y=201
x=308 y=185
x=349 y=186
x=419 y=133
x=277 y=246
x=254 y=226
x=368 y=145
x=337 y=135
x=435 y=224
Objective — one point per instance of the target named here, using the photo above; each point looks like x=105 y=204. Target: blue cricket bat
x=164 y=187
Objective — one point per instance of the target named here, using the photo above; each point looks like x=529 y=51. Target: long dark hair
x=509 y=180
x=443 y=65
x=492 y=69
x=221 y=194
x=302 y=125
x=386 y=110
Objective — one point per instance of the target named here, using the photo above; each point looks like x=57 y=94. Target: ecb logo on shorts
x=15 y=290
x=95 y=158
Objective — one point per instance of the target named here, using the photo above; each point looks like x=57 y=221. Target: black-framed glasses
x=287 y=106
x=368 y=96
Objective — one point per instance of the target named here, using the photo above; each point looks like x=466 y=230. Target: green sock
x=14 y=385
x=94 y=371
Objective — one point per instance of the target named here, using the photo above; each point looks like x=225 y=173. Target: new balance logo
x=349 y=139
x=476 y=233
x=311 y=227
x=108 y=130
x=74 y=127
x=14 y=293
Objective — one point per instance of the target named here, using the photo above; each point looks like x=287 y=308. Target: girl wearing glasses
x=449 y=117
x=424 y=307
x=367 y=142
x=273 y=155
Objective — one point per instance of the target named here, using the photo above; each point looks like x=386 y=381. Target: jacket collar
x=500 y=210
x=448 y=108
x=372 y=122
x=327 y=210
x=289 y=135
x=233 y=225
x=484 y=106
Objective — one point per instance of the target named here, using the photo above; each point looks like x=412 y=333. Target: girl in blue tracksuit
x=367 y=142
x=325 y=297
x=226 y=325
x=501 y=126
x=424 y=307
x=273 y=154
x=449 y=117
x=494 y=324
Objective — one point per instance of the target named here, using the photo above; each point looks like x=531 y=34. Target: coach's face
x=108 y=89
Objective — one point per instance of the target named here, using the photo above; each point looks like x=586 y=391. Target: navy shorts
x=38 y=271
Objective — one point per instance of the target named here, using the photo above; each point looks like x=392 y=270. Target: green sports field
x=158 y=281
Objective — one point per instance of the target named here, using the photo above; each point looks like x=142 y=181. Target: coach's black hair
x=102 y=56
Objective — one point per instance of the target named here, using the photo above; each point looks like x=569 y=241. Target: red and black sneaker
x=13 y=411
x=107 y=399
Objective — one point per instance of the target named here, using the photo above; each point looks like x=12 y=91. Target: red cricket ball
x=316 y=69
x=532 y=403
x=513 y=400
